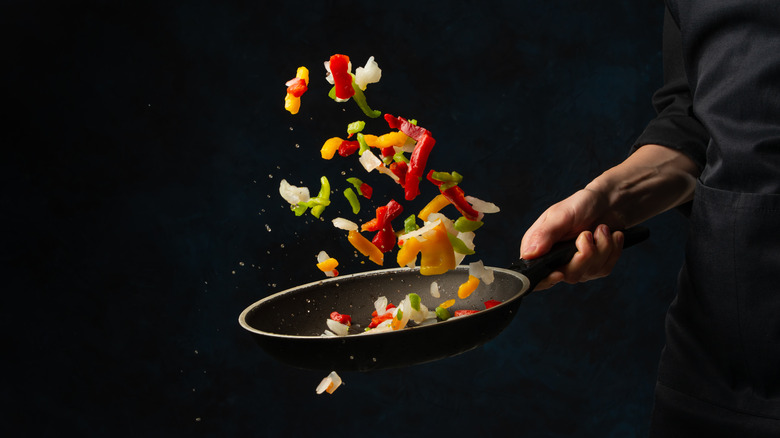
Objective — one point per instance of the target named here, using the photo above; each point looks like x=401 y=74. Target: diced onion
x=435 y=290
x=344 y=224
x=479 y=270
x=292 y=194
x=448 y=224
x=322 y=256
x=388 y=172
x=482 y=206
x=380 y=305
x=330 y=383
x=370 y=74
x=369 y=161
x=338 y=328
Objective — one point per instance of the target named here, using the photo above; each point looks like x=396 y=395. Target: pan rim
x=242 y=317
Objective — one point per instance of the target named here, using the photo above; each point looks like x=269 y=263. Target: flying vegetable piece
x=448 y=186
x=437 y=203
x=361 y=187
x=365 y=247
x=342 y=79
x=437 y=255
x=385 y=237
x=422 y=149
x=329 y=384
x=330 y=147
x=346 y=86
x=317 y=203
x=353 y=200
x=295 y=89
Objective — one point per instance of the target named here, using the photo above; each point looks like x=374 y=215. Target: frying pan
x=288 y=325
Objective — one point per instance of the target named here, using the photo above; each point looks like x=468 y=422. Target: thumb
x=542 y=235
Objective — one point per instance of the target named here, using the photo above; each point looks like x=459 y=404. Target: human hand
x=597 y=251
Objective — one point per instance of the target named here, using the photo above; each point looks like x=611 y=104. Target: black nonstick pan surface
x=288 y=325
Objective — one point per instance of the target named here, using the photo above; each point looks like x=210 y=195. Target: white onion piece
x=448 y=224
x=482 y=206
x=369 y=161
x=380 y=305
x=338 y=328
x=292 y=194
x=435 y=290
x=328 y=334
x=468 y=239
x=322 y=256
x=406 y=312
x=388 y=172
x=330 y=383
x=479 y=270
x=370 y=74
x=420 y=231
x=344 y=224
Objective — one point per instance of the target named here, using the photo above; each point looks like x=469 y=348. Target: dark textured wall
x=143 y=154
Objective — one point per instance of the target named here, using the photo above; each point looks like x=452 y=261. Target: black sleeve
x=675 y=125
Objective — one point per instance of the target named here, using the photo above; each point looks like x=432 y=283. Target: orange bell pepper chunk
x=366 y=248
x=468 y=287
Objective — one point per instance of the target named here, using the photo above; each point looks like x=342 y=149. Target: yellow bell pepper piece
x=330 y=147
x=468 y=287
x=447 y=304
x=408 y=252
x=328 y=265
x=395 y=138
x=437 y=254
x=436 y=204
x=292 y=103
x=366 y=248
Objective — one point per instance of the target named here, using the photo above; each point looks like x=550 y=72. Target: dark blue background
x=143 y=154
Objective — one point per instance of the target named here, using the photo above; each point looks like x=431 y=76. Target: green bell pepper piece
x=464 y=225
x=353 y=200
x=458 y=245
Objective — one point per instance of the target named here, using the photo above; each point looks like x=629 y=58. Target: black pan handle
x=561 y=253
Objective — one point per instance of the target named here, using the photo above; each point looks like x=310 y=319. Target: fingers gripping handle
x=562 y=252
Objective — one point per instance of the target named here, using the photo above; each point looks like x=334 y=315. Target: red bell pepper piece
x=419 y=158
x=491 y=303
x=347 y=148
x=343 y=319
x=417 y=164
x=403 y=125
x=366 y=190
x=400 y=169
x=342 y=80
x=384 y=239
x=464 y=312
x=457 y=197
x=296 y=87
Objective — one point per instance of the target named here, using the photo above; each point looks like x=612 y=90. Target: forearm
x=650 y=181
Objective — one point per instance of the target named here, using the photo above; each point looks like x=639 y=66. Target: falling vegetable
x=329 y=384
x=295 y=89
